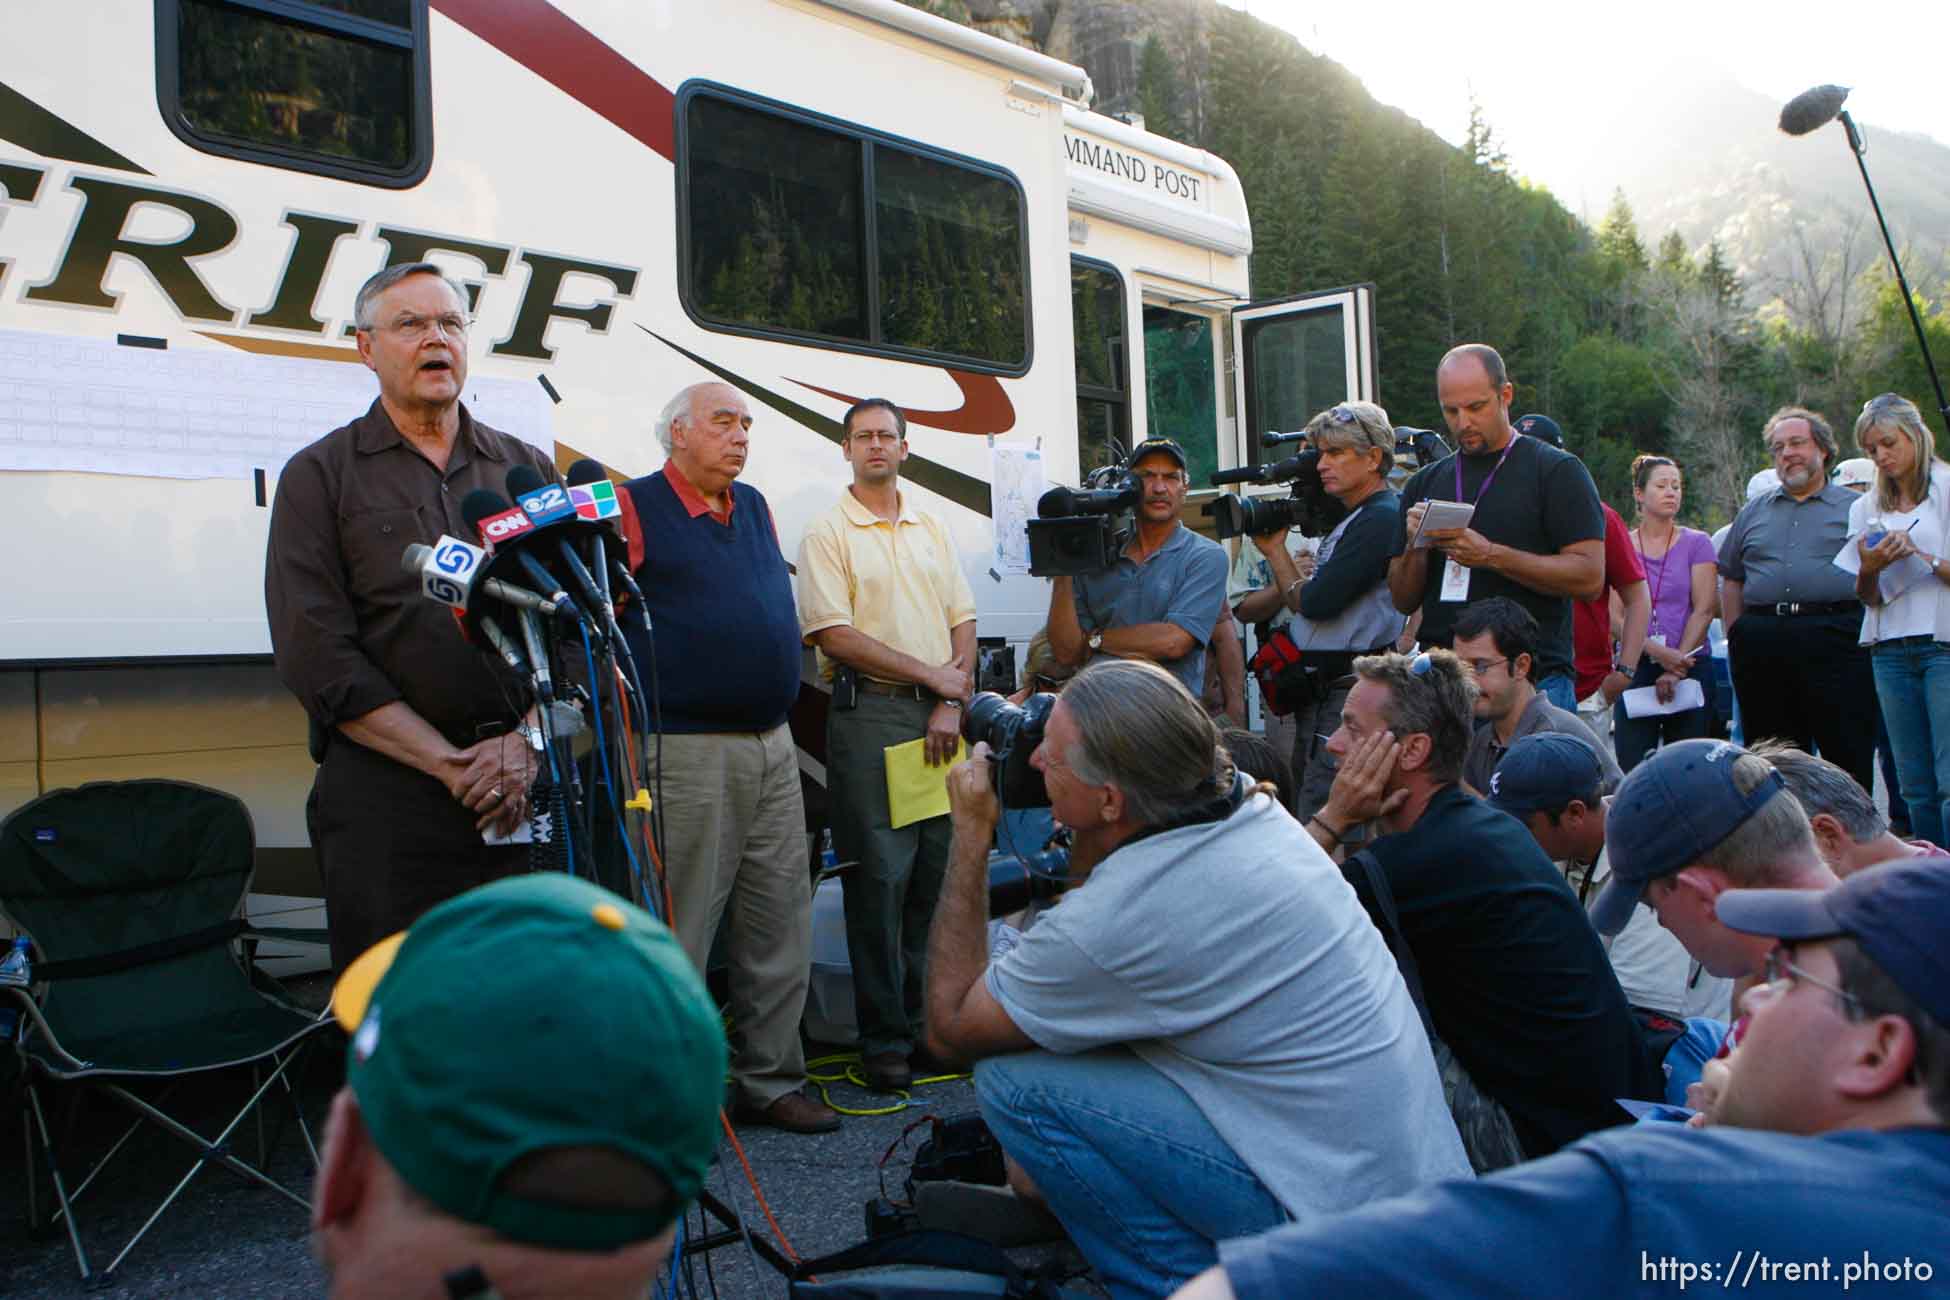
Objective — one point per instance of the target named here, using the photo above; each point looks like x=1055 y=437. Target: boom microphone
x=1812 y=109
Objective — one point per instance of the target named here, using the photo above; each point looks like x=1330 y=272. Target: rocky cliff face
x=1104 y=37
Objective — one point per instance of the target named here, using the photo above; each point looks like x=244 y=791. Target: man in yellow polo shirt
x=883 y=597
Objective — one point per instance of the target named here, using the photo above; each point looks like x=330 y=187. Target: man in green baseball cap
x=531 y=1099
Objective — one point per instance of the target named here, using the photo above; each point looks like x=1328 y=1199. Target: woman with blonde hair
x=1898 y=532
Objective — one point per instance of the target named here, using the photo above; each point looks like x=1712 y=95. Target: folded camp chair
x=133 y=892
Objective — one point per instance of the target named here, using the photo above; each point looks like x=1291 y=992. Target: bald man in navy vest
x=725 y=634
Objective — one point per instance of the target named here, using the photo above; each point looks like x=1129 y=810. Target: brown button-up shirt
x=351 y=631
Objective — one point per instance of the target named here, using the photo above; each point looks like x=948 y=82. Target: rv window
x=336 y=87
x=799 y=226
x=949 y=245
x=1103 y=383
x=1181 y=388
x=775 y=227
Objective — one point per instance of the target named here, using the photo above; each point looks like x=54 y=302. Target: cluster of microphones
x=537 y=545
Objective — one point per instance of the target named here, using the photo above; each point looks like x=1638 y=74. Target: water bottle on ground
x=14 y=970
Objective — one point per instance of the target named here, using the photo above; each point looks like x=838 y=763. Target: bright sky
x=1540 y=69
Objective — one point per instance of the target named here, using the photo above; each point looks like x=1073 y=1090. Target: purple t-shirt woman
x=1669 y=577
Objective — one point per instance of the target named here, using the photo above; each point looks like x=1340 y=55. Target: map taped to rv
x=94 y=406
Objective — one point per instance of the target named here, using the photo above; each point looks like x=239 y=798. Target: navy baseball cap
x=1668 y=812
x=1541 y=427
x=1543 y=772
x=1897 y=912
x=1169 y=446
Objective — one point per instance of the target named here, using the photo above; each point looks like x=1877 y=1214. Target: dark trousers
x=1313 y=723
x=1806 y=680
x=892 y=890
x=1633 y=738
x=391 y=843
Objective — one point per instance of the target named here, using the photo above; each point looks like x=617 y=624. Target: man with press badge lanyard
x=1504 y=515
x=883 y=597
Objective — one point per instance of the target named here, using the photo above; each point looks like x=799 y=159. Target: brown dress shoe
x=795 y=1113
x=886 y=1071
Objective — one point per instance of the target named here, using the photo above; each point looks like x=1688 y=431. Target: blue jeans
x=1129 y=1164
x=1913 y=683
x=1560 y=689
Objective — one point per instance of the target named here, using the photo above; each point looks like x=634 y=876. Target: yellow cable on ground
x=850 y=1073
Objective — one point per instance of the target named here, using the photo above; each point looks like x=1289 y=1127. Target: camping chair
x=132 y=892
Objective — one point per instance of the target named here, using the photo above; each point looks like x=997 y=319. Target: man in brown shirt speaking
x=416 y=732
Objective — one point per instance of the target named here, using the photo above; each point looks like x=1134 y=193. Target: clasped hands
x=491 y=779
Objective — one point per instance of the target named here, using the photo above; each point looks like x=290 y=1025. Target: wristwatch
x=533 y=735
x=1096 y=642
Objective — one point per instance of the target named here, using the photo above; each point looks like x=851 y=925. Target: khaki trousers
x=735 y=827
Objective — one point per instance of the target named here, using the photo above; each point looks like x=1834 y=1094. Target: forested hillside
x=1633 y=340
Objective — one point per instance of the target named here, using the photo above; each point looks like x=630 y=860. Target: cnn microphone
x=440 y=578
x=505 y=529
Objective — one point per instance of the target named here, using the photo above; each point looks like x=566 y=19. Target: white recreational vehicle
x=815 y=201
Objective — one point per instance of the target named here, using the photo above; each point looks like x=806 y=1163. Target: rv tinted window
x=950 y=255
x=803 y=227
x=330 y=86
x=775 y=222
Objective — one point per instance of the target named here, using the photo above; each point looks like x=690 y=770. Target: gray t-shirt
x=1784 y=550
x=1486 y=751
x=1234 y=958
x=1183 y=583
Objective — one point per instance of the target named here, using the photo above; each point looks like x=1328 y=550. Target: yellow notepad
x=915 y=791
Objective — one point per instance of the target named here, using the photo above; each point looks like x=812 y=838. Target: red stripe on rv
x=569 y=57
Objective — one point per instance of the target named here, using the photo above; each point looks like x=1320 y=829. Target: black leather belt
x=1806 y=608
x=899 y=690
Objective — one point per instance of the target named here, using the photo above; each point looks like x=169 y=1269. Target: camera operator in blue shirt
x=1164 y=593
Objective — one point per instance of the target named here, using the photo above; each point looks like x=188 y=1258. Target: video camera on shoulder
x=1307 y=506
x=1079 y=531
x=1012 y=731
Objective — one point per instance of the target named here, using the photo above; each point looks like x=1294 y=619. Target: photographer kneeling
x=1343 y=608
x=1204 y=1038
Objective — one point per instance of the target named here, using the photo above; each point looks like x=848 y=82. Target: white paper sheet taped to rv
x=90 y=405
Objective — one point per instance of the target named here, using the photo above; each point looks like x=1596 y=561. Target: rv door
x=1294 y=357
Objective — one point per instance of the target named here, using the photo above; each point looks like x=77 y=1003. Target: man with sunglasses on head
x=1159 y=601
x=1824 y=1166
x=420 y=752
x=1340 y=607
x=1515 y=980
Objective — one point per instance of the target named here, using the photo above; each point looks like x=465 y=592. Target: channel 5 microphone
x=455 y=573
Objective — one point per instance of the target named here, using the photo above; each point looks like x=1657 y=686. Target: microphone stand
x=1860 y=150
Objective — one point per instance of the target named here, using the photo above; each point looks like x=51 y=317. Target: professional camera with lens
x=1415 y=448
x=1012 y=732
x=1082 y=531
x=1307 y=506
